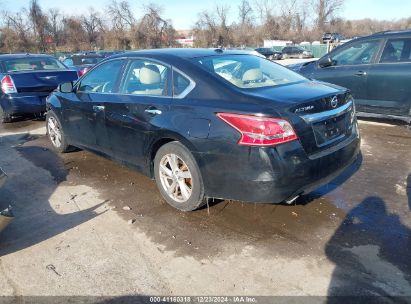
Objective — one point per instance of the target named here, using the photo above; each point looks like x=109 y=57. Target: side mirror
x=325 y=62
x=66 y=87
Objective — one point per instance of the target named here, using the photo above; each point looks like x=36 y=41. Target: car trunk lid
x=41 y=81
x=322 y=114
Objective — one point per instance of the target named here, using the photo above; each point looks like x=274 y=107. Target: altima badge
x=304 y=109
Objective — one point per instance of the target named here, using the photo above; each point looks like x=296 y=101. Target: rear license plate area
x=332 y=129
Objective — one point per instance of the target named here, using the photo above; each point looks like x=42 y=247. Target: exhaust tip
x=292 y=200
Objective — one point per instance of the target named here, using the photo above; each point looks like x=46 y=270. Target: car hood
x=296 y=67
x=298 y=92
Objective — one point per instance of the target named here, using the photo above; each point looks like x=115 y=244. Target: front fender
x=53 y=103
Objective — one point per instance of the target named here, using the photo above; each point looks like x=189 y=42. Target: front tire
x=56 y=134
x=178 y=177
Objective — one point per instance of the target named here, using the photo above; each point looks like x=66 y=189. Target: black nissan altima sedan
x=209 y=124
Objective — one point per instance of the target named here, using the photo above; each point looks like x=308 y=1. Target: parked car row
x=287 y=52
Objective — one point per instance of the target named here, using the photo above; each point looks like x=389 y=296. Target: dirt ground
x=88 y=226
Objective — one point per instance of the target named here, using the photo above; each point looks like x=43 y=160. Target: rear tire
x=178 y=177
x=4 y=118
x=56 y=134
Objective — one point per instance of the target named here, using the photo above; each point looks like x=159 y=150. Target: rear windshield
x=247 y=71
x=33 y=64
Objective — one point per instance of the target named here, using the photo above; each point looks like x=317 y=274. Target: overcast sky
x=183 y=13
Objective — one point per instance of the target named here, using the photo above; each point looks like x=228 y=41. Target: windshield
x=33 y=64
x=247 y=71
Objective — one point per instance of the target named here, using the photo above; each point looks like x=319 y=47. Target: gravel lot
x=87 y=226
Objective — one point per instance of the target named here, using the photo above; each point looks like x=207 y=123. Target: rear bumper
x=274 y=175
x=14 y=104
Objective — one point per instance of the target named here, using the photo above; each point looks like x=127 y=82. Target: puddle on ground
x=226 y=227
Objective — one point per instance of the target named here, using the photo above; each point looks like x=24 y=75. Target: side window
x=102 y=79
x=397 y=50
x=145 y=77
x=180 y=83
x=357 y=53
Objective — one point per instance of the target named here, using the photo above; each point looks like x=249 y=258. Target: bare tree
x=205 y=29
x=55 y=25
x=325 y=10
x=243 y=33
x=245 y=13
x=263 y=9
x=152 y=28
x=92 y=25
x=39 y=22
x=224 y=32
x=123 y=22
x=15 y=33
x=74 y=34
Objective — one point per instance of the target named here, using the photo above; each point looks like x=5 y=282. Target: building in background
x=185 y=38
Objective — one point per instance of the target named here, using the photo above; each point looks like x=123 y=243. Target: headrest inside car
x=150 y=74
x=252 y=75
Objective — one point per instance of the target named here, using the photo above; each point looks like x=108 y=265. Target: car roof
x=23 y=55
x=390 y=33
x=185 y=53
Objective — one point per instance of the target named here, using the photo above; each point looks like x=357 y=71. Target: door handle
x=98 y=108
x=360 y=73
x=152 y=111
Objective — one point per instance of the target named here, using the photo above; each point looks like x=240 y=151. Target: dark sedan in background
x=296 y=51
x=26 y=81
x=209 y=124
x=377 y=70
x=269 y=53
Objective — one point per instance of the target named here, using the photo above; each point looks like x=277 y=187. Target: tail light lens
x=260 y=131
x=82 y=72
x=7 y=85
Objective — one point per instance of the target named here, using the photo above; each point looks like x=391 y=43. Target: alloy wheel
x=176 y=178
x=54 y=131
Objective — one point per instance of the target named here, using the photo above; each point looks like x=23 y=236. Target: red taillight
x=7 y=85
x=260 y=131
x=82 y=72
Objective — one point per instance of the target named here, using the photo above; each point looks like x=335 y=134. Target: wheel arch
x=165 y=139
